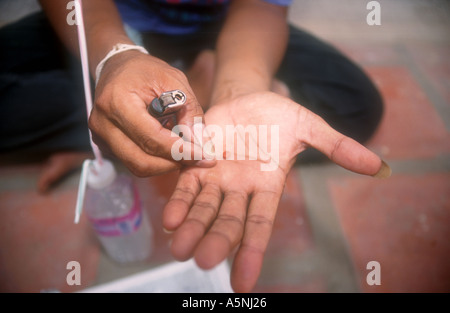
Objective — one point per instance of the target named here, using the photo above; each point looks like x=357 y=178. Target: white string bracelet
x=118 y=48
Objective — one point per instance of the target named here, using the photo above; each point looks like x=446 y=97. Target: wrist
x=100 y=43
x=117 y=49
x=234 y=80
x=233 y=89
x=228 y=91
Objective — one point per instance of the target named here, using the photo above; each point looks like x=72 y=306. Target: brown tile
x=411 y=128
x=38 y=238
x=403 y=223
x=313 y=286
x=434 y=63
x=291 y=231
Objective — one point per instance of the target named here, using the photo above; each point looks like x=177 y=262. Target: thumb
x=343 y=150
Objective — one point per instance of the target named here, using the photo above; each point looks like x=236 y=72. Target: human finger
x=258 y=227
x=197 y=222
x=137 y=161
x=226 y=231
x=180 y=202
x=344 y=150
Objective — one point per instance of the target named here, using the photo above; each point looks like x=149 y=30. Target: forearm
x=249 y=49
x=104 y=27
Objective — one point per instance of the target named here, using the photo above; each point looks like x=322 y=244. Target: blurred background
x=331 y=223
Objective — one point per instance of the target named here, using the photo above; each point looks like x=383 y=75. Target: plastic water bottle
x=115 y=211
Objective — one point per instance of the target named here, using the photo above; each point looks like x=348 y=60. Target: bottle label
x=122 y=225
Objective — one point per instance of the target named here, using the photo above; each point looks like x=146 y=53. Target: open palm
x=214 y=210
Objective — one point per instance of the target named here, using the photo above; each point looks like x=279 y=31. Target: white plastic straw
x=88 y=96
x=85 y=67
x=82 y=190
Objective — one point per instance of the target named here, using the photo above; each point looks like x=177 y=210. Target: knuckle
x=227 y=218
x=102 y=99
x=109 y=101
x=237 y=195
x=150 y=146
x=197 y=221
x=260 y=220
x=252 y=248
x=177 y=73
x=183 y=200
x=140 y=168
x=213 y=192
x=184 y=191
x=205 y=205
x=336 y=148
x=93 y=123
x=224 y=236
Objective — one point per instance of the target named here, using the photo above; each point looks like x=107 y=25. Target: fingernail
x=167 y=231
x=384 y=172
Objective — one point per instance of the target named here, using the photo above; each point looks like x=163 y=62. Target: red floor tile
x=291 y=231
x=38 y=238
x=411 y=128
x=403 y=223
x=434 y=63
x=314 y=286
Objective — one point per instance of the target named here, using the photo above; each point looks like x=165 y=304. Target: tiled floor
x=331 y=223
x=402 y=223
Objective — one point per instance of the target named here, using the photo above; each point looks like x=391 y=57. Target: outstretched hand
x=233 y=205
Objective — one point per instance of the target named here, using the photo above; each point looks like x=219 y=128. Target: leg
x=329 y=84
x=42 y=111
x=42 y=105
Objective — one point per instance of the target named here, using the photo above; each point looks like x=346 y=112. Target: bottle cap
x=101 y=176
